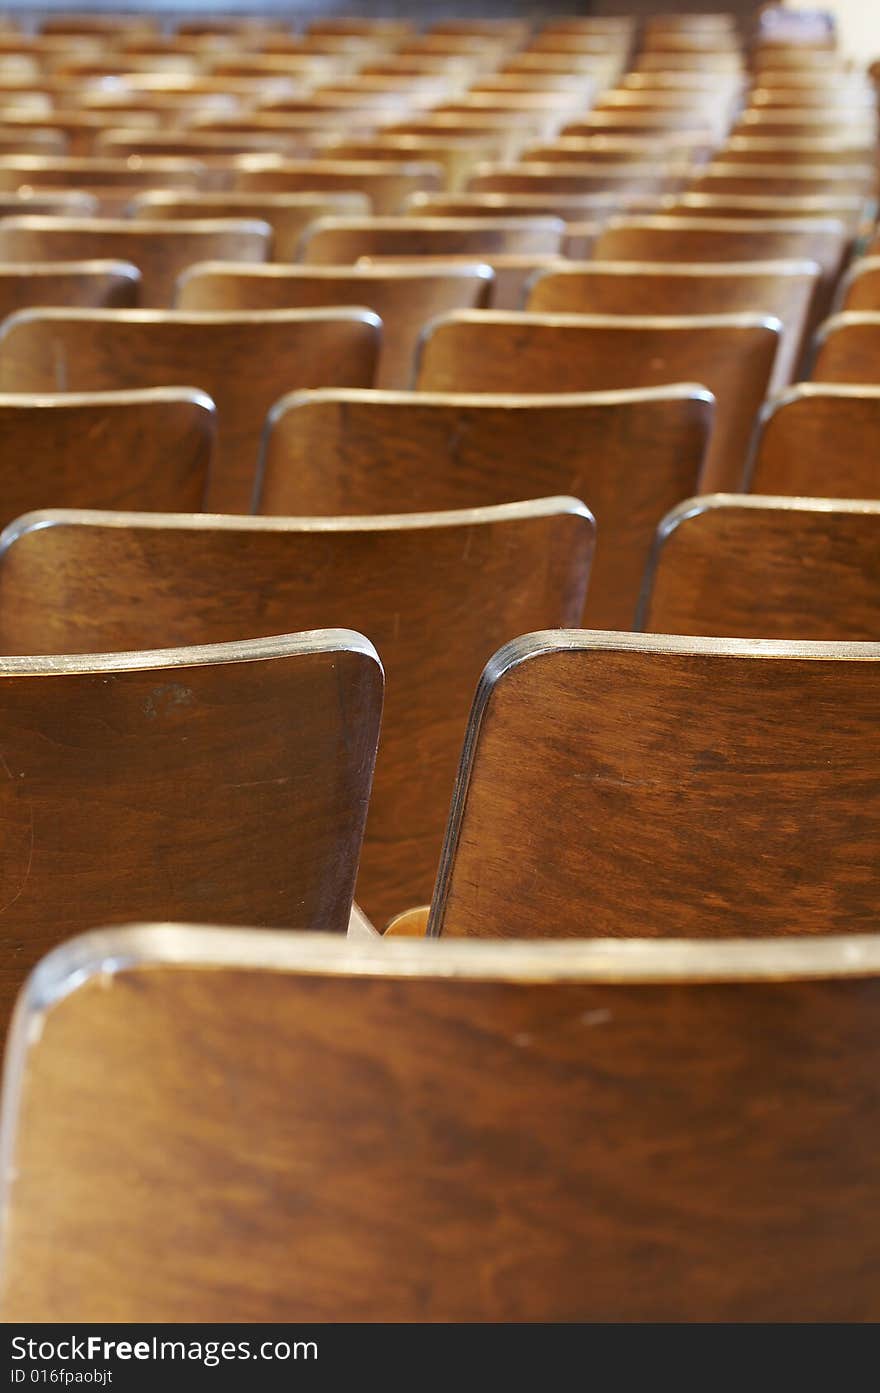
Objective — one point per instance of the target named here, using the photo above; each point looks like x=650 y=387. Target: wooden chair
x=147 y=449
x=406 y=297
x=457 y=155
x=209 y=147
x=88 y=284
x=436 y=593
x=847 y=349
x=386 y=183
x=244 y=361
x=343 y=240
x=835 y=123
x=560 y=1083
x=734 y=566
x=784 y=180
x=356 y=452
x=859 y=289
x=655 y=813
x=783 y=289
x=732 y=355
x=850 y=209
x=791 y=150
x=677 y=148
x=160 y=250
x=36 y=140
x=65 y=203
x=148 y=772
x=572 y=207
x=288 y=214
x=512 y=272
x=581 y=177
x=821 y=440
x=69 y=172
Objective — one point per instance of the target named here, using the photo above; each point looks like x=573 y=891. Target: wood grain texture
x=405 y=297
x=435 y=593
x=90 y=284
x=133 y=782
x=288 y=214
x=630 y=455
x=343 y=240
x=145 y=449
x=847 y=349
x=820 y=440
x=656 y=811
x=783 y=289
x=729 y=566
x=386 y=183
x=244 y=361
x=556 y=1149
x=732 y=355
x=160 y=250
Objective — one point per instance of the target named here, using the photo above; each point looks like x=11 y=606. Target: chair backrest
x=228 y=781
x=160 y=250
x=543 y=1081
x=860 y=287
x=819 y=440
x=85 y=284
x=847 y=348
x=613 y=780
x=405 y=297
x=436 y=593
x=748 y=149
x=786 y=179
x=288 y=214
x=146 y=449
x=387 y=183
x=733 y=355
x=581 y=177
x=71 y=172
x=341 y=240
x=245 y=361
x=849 y=208
x=752 y=566
x=784 y=289
x=629 y=455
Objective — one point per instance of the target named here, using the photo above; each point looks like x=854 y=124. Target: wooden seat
x=820 y=440
x=69 y=172
x=386 y=183
x=572 y=207
x=593 y=1136
x=160 y=250
x=785 y=180
x=436 y=593
x=835 y=123
x=850 y=209
x=457 y=155
x=65 y=203
x=344 y=240
x=135 y=780
x=34 y=140
x=860 y=287
x=670 y=765
x=210 y=147
x=93 y=284
x=147 y=449
x=406 y=297
x=630 y=455
x=288 y=214
x=734 y=566
x=847 y=349
x=245 y=362
x=580 y=177
x=784 y=289
x=732 y=355
x=512 y=272
x=676 y=148
x=791 y=150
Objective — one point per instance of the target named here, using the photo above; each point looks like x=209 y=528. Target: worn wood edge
x=41 y=222
x=739 y=320
x=696 y=270
x=129 y=396
x=436 y=268
x=547 y=641
x=94 y=266
x=233 y=318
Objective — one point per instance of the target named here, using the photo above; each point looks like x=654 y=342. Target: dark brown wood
x=585 y=1132
x=436 y=593
x=160 y=250
x=386 y=183
x=147 y=450
x=629 y=455
x=288 y=214
x=343 y=240
x=848 y=349
x=244 y=361
x=734 y=566
x=405 y=297
x=693 y=787
x=133 y=782
x=783 y=289
x=87 y=284
x=820 y=440
x=732 y=355
x=860 y=287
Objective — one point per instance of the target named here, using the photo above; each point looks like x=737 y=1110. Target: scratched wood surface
x=629 y=455
x=732 y=355
x=132 y=785
x=670 y=766
x=436 y=593
x=556 y=1149
x=244 y=361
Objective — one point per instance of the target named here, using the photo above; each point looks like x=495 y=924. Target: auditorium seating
x=346 y=358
